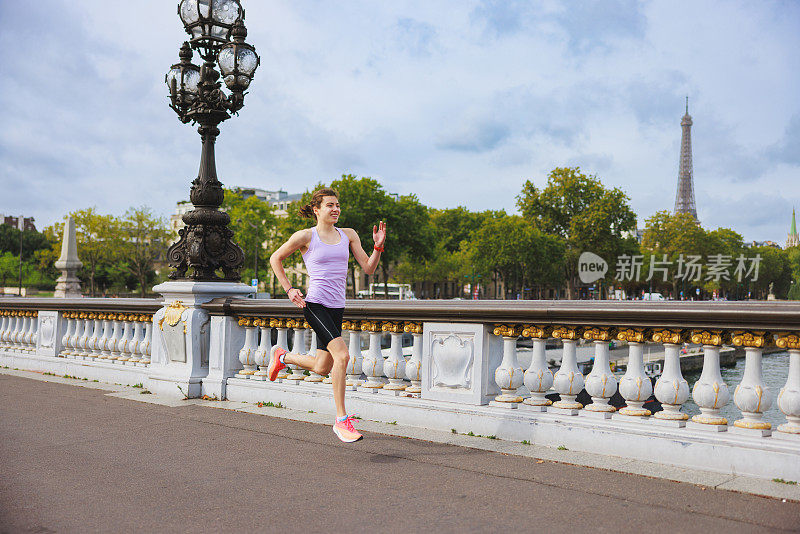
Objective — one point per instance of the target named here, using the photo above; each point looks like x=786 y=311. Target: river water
x=775 y=368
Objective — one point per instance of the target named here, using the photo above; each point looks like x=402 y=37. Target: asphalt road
x=73 y=459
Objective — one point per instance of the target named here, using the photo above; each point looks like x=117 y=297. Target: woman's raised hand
x=296 y=296
x=379 y=234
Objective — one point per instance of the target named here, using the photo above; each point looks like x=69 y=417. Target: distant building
x=280 y=200
x=793 y=240
x=767 y=243
x=27 y=222
x=175 y=220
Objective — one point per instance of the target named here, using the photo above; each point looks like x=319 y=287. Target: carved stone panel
x=458 y=362
x=49 y=332
x=452 y=357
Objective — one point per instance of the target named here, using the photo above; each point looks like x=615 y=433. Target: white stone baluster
x=247 y=354
x=264 y=349
x=298 y=347
x=568 y=380
x=124 y=345
x=116 y=337
x=372 y=364
x=635 y=387
x=104 y=340
x=710 y=392
x=601 y=383
x=789 y=396
x=22 y=337
x=33 y=337
x=93 y=331
x=537 y=378
x=4 y=326
x=394 y=367
x=671 y=390
x=66 y=349
x=147 y=342
x=356 y=358
x=313 y=378
x=751 y=395
x=22 y=326
x=4 y=329
x=282 y=341
x=414 y=364
x=16 y=329
x=509 y=374
x=73 y=341
x=136 y=340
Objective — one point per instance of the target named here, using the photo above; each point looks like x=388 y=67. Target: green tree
x=96 y=236
x=583 y=213
x=143 y=240
x=519 y=251
x=674 y=236
x=254 y=226
x=9 y=267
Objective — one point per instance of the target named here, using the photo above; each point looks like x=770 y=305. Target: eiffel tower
x=684 y=199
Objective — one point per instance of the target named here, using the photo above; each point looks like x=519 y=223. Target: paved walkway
x=77 y=459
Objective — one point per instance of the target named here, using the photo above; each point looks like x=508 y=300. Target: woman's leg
x=333 y=361
x=338 y=349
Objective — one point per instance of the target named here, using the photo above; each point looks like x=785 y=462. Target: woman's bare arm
x=369 y=264
x=298 y=241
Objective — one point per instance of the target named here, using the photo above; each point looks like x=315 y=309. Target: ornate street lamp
x=217 y=32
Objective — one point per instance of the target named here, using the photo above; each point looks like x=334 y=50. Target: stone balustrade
x=436 y=363
x=121 y=338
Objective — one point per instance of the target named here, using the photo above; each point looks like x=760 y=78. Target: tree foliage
x=583 y=213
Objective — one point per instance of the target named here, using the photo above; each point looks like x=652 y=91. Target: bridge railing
x=463 y=370
x=466 y=351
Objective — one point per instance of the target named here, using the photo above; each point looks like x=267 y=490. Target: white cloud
x=459 y=102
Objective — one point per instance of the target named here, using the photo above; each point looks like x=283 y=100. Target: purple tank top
x=327 y=269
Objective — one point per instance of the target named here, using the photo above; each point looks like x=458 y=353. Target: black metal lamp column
x=218 y=32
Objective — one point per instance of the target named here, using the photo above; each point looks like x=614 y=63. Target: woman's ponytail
x=307 y=211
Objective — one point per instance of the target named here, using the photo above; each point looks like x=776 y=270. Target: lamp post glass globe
x=238 y=60
x=209 y=22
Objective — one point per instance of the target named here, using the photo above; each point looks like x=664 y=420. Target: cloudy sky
x=458 y=102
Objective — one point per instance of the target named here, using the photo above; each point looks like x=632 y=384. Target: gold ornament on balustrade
x=536 y=331
x=395 y=328
x=506 y=330
x=370 y=326
x=709 y=337
x=669 y=336
x=599 y=333
x=351 y=325
x=172 y=315
x=243 y=321
x=566 y=332
x=632 y=335
x=754 y=339
x=413 y=328
x=788 y=340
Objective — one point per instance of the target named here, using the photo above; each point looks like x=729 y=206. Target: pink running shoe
x=275 y=364
x=345 y=431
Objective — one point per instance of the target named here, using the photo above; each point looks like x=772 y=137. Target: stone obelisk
x=68 y=285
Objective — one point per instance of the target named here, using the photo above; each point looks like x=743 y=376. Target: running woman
x=326 y=250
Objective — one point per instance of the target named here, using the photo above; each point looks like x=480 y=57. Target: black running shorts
x=326 y=322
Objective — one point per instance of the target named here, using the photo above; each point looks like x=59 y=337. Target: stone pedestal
x=182 y=337
x=459 y=362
